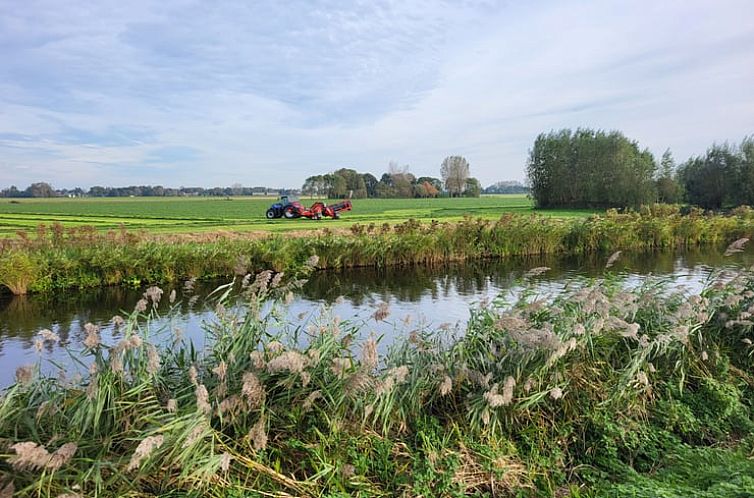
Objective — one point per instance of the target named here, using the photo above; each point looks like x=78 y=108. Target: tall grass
x=78 y=258
x=541 y=396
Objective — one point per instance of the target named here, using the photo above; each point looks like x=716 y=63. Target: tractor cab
x=288 y=206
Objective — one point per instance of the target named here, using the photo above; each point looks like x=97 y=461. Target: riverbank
x=56 y=258
x=598 y=391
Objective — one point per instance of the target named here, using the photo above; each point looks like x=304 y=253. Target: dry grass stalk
x=369 y=356
x=510 y=383
x=358 y=383
x=503 y=476
x=258 y=434
x=141 y=306
x=275 y=347
x=32 y=456
x=494 y=399
x=202 y=399
x=340 y=366
x=193 y=375
x=446 y=386
x=133 y=342
x=225 y=460
x=257 y=360
x=153 y=360
x=62 y=456
x=196 y=434
x=25 y=374
x=145 y=448
x=309 y=401
x=154 y=294
x=29 y=456
x=221 y=370
x=253 y=390
x=291 y=361
x=92 y=339
x=7 y=490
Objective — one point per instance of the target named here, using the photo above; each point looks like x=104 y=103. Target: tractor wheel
x=289 y=212
x=270 y=214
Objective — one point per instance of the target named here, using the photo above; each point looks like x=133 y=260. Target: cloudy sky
x=268 y=93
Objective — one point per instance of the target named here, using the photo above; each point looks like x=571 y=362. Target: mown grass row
x=191 y=215
x=59 y=258
x=587 y=393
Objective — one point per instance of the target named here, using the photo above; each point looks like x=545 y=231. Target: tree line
x=43 y=189
x=596 y=169
x=721 y=178
x=397 y=182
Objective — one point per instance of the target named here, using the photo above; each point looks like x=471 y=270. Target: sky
x=198 y=93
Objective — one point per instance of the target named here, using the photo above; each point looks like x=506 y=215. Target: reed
x=58 y=259
x=560 y=395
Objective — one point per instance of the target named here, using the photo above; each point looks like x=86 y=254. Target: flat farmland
x=185 y=215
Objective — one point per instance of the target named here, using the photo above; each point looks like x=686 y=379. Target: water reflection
x=432 y=295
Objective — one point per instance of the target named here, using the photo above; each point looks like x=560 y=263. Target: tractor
x=290 y=207
x=287 y=206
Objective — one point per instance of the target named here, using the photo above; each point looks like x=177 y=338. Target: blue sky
x=268 y=93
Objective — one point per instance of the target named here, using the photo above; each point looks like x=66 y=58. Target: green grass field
x=176 y=214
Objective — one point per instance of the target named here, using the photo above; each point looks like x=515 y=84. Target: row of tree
x=723 y=177
x=42 y=189
x=398 y=182
x=596 y=169
x=590 y=169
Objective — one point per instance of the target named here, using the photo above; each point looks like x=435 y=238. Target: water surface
x=418 y=297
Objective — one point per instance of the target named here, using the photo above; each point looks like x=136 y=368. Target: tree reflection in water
x=411 y=290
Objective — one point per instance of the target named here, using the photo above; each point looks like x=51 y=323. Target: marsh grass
x=543 y=395
x=57 y=258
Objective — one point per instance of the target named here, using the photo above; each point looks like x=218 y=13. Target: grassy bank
x=599 y=391
x=56 y=258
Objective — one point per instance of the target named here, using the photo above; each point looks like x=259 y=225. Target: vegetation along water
x=56 y=258
x=603 y=389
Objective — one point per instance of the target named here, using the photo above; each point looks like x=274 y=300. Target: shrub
x=18 y=271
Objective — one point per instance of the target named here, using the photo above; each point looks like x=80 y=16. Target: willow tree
x=588 y=168
x=723 y=177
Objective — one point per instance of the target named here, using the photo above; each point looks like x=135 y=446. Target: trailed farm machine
x=289 y=207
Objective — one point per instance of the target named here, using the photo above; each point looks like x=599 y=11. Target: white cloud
x=267 y=93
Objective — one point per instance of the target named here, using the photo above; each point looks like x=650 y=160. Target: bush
x=18 y=271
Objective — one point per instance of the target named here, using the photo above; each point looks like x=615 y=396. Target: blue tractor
x=287 y=206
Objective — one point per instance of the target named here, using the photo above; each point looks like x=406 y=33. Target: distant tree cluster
x=39 y=189
x=43 y=189
x=397 y=182
x=590 y=169
x=506 y=187
x=723 y=177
